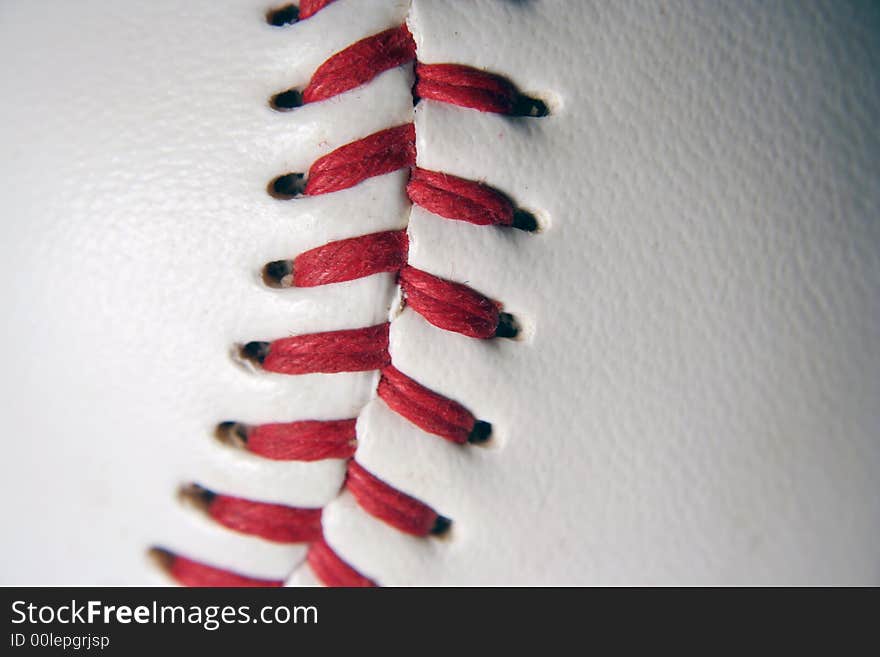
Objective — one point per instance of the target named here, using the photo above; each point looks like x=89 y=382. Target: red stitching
x=455 y=84
x=308 y=8
x=446 y=304
x=380 y=153
x=274 y=522
x=386 y=503
x=428 y=410
x=460 y=199
x=308 y=440
x=355 y=350
x=331 y=569
x=466 y=87
x=360 y=63
x=440 y=193
x=192 y=573
x=348 y=259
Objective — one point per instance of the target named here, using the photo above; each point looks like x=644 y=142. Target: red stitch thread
x=308 y=440
x=331 y=570
x=380 y=153
x=470 y=87
x=274 y=522
x=448 y=305
x=428 y=410
x=451 y=306
x=348 y=259
x=308 y=8
x=355 y=350
x=192 y=573
x=440 y=193
x=386 y=503
x=460 y=199
x=447 y=83
x=360 y=63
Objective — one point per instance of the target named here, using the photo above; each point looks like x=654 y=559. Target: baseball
x=433 y=292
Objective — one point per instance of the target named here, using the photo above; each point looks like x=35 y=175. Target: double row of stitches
x=446 y=304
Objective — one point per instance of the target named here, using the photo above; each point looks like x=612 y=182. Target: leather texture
x=694 y=399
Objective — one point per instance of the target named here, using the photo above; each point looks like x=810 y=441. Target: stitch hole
x=441 y=526
x=525 y=220
x=254 y=352
x=288 y=186
x=481 y=433
x=507 y=326
x=195 y=496
x=529 y=107
x=286 y=100
x=281 y=16
x=234 y=434
x=162 y=559
x=534 y=221
x=278 y=274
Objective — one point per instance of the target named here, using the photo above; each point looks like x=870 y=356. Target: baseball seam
x=446 y=304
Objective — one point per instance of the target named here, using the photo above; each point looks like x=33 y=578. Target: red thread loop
x=331 y=570
x=274 y=522
x=379 y=153
x=308 y=440
x=192 y=573
x=475 y=89
x=429 y=410
x=460 y=199
x=354 y=350
x=346 y=260
x=387 y=503
x=360 y=63
x=450 y=306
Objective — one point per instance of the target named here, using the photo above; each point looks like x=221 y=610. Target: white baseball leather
x=694 y=399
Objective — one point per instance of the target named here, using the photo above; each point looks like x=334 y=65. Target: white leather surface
x=695 y=398
x=135 y=221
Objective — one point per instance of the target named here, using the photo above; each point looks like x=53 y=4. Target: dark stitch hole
x=255 y=352
x=278 y=274
x=507 y=326
x=528 y=106
x=525 y=220
x=232 y=433
x=481 y=432
x=162 y=558
x=290 y=185
x=441 y=525
x=286 y=100
x=286 y=15
x=196 y=495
